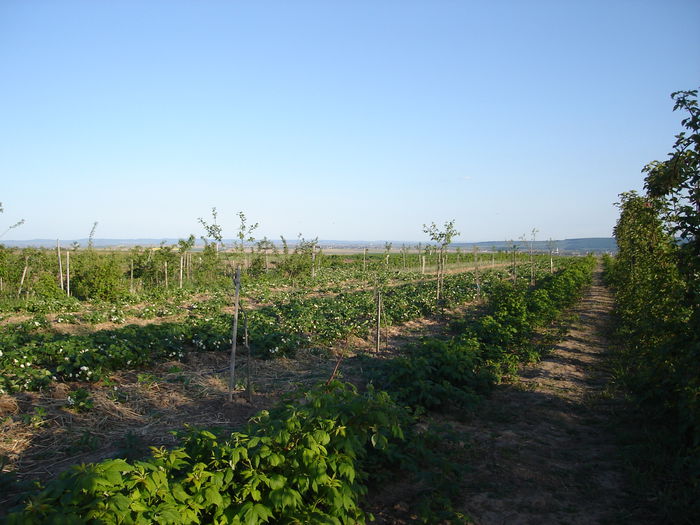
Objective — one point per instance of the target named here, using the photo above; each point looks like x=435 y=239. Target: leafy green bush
x=437 y=375
x=97 y=277
x=302 y=462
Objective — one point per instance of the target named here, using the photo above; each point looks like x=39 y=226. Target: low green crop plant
x=301 y=462
x=437 y=375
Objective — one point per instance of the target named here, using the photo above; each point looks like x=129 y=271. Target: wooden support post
x=379 y=318
x=249 y=362
x=24 y=274
x=182 y=265
x=68 y=273
x=60 y=264
x=234 y=336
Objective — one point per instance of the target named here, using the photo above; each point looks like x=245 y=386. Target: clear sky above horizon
x=342 y=120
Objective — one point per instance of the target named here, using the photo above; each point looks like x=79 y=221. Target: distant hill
x=585 y=245
x=590 y=244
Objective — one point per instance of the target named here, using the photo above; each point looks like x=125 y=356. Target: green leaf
x=212 y=497
x=276 y=481
x=138 y=506
x=179 y=493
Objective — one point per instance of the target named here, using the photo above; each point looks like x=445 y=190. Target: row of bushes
x=438 y=374
x=658 y=334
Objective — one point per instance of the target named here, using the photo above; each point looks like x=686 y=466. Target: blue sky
x=342 y=120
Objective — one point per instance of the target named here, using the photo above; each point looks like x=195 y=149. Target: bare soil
x=543 y=447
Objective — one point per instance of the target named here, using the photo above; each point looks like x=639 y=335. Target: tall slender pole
x=60 y=265
x=379 y=317
x=313 y=262
x=68 y=273
x=249 y=362
x=24 y=274
x=234 y=335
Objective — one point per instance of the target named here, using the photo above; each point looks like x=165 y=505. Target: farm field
x=341 y=263
x=84 y=392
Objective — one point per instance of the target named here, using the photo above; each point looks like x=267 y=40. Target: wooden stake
x=166 y=273
x=379 y=318
x=68 y=273
x=476 y=272
x=60 y=266
x=234 y=337
x=182 y=264
x=24 y=274
x=313 y=262
x=248 y=384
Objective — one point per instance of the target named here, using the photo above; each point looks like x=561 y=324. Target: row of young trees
x=656 y=280
x=110 y=275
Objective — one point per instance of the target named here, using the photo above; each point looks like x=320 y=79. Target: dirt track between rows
x=543 y=446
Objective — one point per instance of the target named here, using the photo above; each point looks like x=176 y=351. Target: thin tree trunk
x=437 y=270
x=24 y=274
x=182 y=265
x=551 y=262
x=249 y=362
x=60 y=264
x=422 y=264
x=379 y=318
x=165 y=266
x=234 y=337
x=68 y=273
x=131 y=276
x=477 y=274
x=386 y=330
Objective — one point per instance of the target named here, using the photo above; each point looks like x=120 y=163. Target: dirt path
x=544 y=451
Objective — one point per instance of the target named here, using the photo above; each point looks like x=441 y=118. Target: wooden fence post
x=234 y=337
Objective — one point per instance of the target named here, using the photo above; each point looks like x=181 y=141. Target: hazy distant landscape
x=592 y=245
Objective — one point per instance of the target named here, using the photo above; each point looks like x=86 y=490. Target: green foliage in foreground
x=656 y=280
x=302 y=462
x=657 y=362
